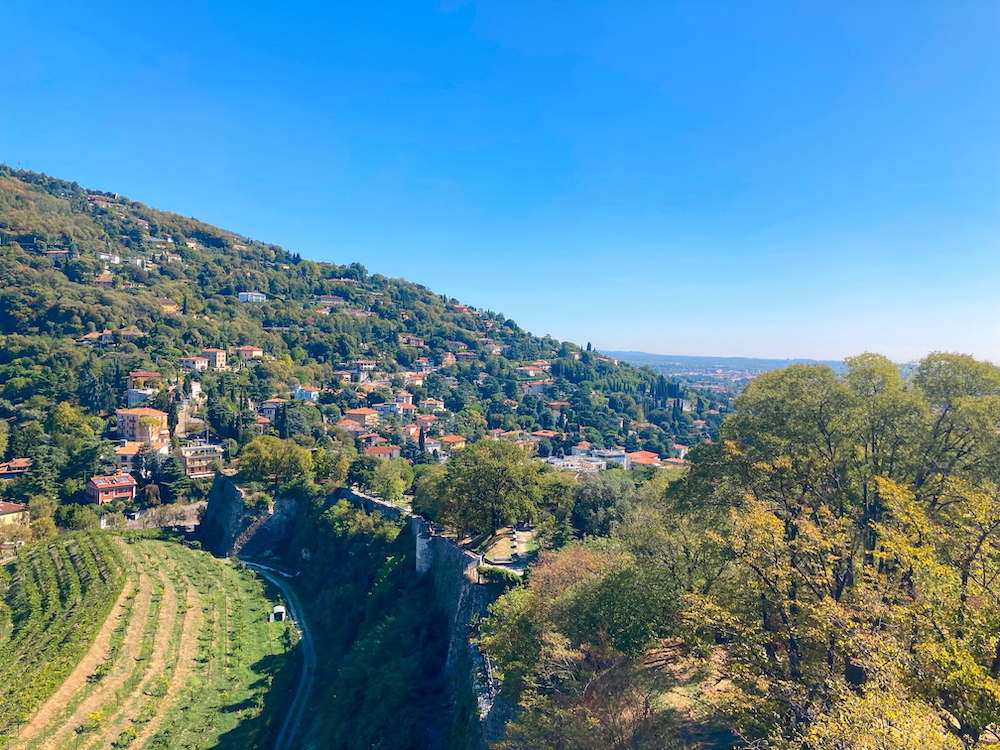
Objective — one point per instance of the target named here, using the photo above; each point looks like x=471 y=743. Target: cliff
x=481 y=713
x=235 y=524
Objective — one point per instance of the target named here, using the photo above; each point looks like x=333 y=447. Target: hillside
x=94 y=286
x=141 y=351
x=819 y=573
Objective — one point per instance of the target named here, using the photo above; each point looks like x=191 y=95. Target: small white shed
x=278 y=615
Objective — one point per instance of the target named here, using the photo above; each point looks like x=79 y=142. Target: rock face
x=481 y=714
x=230 y=526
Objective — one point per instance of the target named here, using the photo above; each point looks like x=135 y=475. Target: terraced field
x=56 y=595
x=183 y=656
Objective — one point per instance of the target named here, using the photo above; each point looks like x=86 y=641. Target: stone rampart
x=465 y=599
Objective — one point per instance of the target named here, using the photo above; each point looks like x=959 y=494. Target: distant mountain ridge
x=750 y=364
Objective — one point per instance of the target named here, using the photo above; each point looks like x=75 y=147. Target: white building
x=386 y=409
x=307 y=393
x=270 y=408
x=614 y=457
x=252 y=297
x=138 y=396
x=195 y=364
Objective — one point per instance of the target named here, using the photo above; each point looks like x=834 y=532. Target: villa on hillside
x=195 y=364
x=168 y=305
x=14 y=468
x=307 y=393
x=110 y=489
x=451 y=443
x=383 y=451
x=142 y=424
x=13 y=513
x=363 y=416
x=247 y=353
x=128 y=451
x=216 y=358
x=269 y=409
x=199 y=460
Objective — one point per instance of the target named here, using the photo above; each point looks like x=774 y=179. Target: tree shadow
x=266 y=717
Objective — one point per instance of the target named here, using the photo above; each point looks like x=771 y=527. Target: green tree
x=43 y=528
x=494 y=484
x=602 y=501
x=77 y=517
x=41 y=506
x=173 y=481
x=388 y=481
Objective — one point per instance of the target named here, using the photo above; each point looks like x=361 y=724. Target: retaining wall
x=465 y=599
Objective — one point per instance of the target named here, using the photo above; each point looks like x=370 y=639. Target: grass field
x=182 y=655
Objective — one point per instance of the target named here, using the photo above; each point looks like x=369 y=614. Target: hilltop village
x=181 y=343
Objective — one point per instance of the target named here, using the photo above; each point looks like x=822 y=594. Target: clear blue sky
x=748 y=178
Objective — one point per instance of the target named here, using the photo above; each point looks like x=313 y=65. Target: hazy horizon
x=775 y=181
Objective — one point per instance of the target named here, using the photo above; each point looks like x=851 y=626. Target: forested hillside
x=94 y=286
x=825 y=577
x=818 y=573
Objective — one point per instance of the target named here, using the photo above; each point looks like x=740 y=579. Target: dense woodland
x=826 y=576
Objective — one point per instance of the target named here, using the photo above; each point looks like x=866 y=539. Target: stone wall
x=460 y=593
x=229 y=528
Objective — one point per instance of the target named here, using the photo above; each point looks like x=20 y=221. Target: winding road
x=294 y=716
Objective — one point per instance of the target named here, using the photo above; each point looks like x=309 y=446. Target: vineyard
x=169 y=647
x=58 y=594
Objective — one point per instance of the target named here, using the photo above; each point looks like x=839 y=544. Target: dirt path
x=186 y=659
x=96 y=655
x=126 y=664
x=158 y=661
x=522 y=538
x=294 y=715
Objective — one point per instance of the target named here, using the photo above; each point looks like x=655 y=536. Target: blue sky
x=748 y=179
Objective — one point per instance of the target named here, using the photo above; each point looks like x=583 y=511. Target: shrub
x=508 y=579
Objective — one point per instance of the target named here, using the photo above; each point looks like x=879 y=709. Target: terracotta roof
x=378 y=449
x=644 y=460
x=15 y=466
x=142 y=411
x=643 y=454
x=118 y=480
x=134 y=447
x=8 y=508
